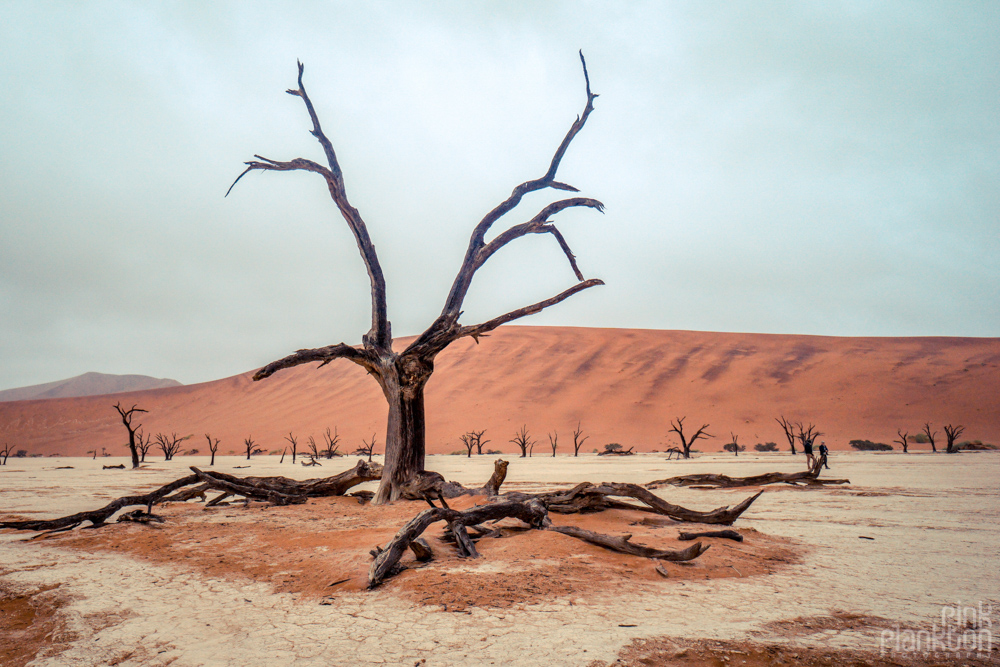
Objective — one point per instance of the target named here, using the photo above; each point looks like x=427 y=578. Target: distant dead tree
x=686 y=443
x=313 y=449
x=930 y=436
x=169 y=445
x=523 y=440
x=902 y=438
x=127 y=417
x=402 y=376
x=294 y=442
x=143 y=444
x=473 y=440
x=367 y=448
x=734 y=446
x=5 y=452
x=213 y=446
x=554 y=442
x=577 y=440
x=789 y=430
x=251 y=447
x=331 y=443
x=951 y=433
x=807 y=436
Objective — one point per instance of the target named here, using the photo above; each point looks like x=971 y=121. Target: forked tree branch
x=379 y=337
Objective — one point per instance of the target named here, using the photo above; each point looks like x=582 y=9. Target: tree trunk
x=404 y=439
x=132 y=449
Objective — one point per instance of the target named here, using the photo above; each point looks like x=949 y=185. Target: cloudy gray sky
x=819 y=168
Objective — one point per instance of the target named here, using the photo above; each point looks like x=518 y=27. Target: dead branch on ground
x=712 y=481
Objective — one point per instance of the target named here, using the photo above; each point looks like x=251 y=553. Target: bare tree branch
x=379 y=336
x=322 y=354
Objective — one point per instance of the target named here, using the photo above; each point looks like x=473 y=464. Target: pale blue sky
x=817 y=168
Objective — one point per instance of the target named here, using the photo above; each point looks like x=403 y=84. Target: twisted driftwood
x=804 y=478
x=587 y=497
x=428 y=485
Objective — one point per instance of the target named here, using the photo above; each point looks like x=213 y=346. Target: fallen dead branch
x=531 y=511
x=587 y=497
x=728 y=534
x=709 y=481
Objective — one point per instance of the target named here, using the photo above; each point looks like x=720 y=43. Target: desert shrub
x=869 y=446
x=459 y=452
x=919 y=438
x=766 y=447
x=595 y=451
x=732 y=447
x=493 y=451
x=21 y=453
x=975 y=445
x=612 y=447
x=191 y=452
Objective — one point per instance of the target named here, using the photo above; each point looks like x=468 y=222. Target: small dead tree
x=951 y=433
x=469 y=440
x=930 y=436
x=789 y=430
x=686 y=443
x=402 y=376
x=251 y=447
x=478 y=437
x=554 y=442
x=523 y=440
x=5 y=453
x=213 y=446
x=578 y=440
x=367 y=448
x=127 y=417
x=294 y=442
x=143 y=444
x=902 y=438
x=169 y=445
x=313 y=449
x=331 y=441
x=734 y=445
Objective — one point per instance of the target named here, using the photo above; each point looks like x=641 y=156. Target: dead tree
x=902 y=438
x=294 y=442
x=213 y=446
x=5 y=452
x=734 y=446
x=554 y=442
x=789 y=430
x=522 y=440
x=809 y=478
x=127 y=417
x=313 y=448
x=577 y=440
x=686 y=443
x=169 y=446
x=473 y=440
x=930 y=435
x=367 y=448
x=251 y=447
x=143 y=444
x=331 y=443
x=402 y=376
x=951 y=433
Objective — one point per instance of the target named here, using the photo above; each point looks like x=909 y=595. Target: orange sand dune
x=622 y=385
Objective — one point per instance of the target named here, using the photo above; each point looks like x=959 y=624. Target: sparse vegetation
x=869 y=446
x=734 y=446
x=766 y=447
x=169 y=445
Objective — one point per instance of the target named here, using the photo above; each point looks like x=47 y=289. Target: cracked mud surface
x=802 y=584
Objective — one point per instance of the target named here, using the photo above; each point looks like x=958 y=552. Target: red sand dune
x=623 y=385
x=88 y=384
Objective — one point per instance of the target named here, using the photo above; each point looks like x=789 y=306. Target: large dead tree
x=789 y=430
x=403 y=375
x=127 y=417
x=951 y=434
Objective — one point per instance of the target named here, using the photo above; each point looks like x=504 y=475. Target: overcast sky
x=816 y=168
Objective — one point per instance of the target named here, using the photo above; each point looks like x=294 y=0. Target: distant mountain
x=88 y=384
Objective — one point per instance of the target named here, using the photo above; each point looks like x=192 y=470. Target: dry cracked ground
x=849 y=575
